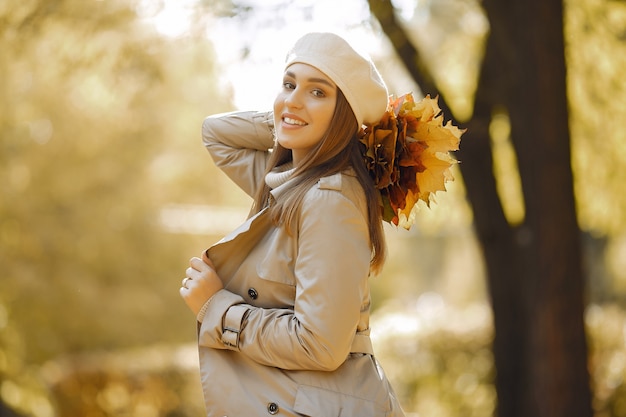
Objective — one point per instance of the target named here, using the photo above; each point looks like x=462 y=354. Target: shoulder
x=340 y=191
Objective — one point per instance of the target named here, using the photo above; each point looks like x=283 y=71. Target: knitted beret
x=356 y=76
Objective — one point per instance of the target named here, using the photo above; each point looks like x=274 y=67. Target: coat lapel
x=230 y=252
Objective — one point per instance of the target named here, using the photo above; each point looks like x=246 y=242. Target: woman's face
x=303 y=109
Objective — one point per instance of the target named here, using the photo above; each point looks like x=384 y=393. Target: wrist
x=203 y=309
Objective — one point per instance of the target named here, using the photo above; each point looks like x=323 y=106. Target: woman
x=283 y=302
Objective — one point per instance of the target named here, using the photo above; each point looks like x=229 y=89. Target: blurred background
x=106 y=192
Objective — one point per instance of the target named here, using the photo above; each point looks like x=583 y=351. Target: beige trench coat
x=289 y=333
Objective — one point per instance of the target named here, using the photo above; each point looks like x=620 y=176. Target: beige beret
x=355 y=75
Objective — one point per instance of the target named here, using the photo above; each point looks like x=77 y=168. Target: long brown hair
x=337 y=151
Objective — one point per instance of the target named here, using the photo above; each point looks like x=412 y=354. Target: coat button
x=272 y=408
x=253 y=293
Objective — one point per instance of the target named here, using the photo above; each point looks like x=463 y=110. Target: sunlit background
x=106 y=192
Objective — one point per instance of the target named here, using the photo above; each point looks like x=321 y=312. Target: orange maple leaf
x=407 y=154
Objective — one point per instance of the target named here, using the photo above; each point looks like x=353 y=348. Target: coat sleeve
x=331 y=271
x=238 y=143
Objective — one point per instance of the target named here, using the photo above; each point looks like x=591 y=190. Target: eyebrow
x=312 y=79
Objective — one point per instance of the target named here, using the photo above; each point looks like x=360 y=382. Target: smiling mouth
x=290 y=121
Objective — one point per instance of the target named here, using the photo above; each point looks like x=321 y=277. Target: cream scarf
x=279 y=175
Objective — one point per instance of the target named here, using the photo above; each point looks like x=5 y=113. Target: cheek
x=277 y=109
x=329 y=116
x=279 y=100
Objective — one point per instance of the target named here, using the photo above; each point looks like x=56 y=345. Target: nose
x=293 y=99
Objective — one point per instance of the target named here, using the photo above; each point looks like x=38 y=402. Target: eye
x=288 y=85
x=319 y=93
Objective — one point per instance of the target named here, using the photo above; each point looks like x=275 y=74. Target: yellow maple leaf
x=407 y=154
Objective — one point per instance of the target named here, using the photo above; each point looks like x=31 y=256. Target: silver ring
x=185 y=282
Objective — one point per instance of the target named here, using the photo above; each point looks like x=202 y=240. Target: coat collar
x=331 y=182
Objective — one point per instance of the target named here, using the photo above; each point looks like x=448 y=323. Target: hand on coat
x=200 y=283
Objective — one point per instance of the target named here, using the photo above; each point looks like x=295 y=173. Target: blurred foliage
x=439 y=354
x=153 y=381
x=100 y=131
x=606 y=330
x=596 y=57
x=97 y=135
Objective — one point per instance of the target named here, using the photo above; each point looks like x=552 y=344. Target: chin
x=284 y=144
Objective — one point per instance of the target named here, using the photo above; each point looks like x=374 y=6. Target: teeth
x=291 y=121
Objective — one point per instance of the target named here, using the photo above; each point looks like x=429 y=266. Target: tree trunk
x=534 y=271
x=553 y=282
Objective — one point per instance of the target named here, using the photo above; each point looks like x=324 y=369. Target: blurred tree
x=7 y=412
x=533 y=263
x=99 y=130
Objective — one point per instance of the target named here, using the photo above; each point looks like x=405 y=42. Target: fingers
x=198 y=271
x=200 y=283
x=192 y=273
x=197 y=264
x=201 y=265
x=184 y=289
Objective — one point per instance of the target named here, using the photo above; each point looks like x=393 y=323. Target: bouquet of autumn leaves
x=407 y=155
